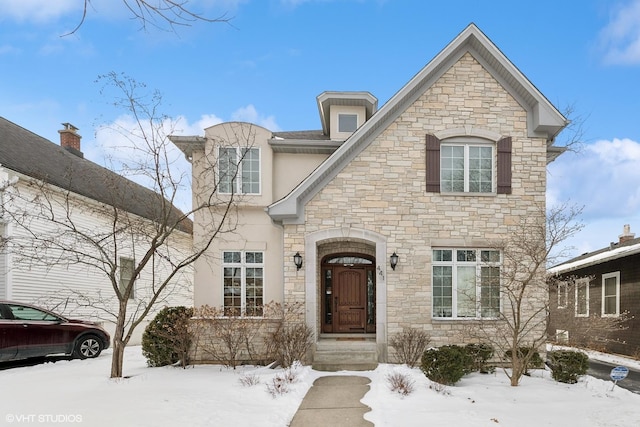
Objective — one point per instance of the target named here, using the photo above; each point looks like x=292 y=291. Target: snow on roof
x=598 y=257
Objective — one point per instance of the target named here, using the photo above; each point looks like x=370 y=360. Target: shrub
x=166 y=339
x=249 y=379
x=535 y=361
x=566 y=366
x=292 y=339
x=445 y=365
x=409 y=345
x=400 y=383
x=227 y=336
x=280 y=383
x=479 y=355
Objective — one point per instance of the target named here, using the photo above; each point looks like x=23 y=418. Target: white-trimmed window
x=243 y=282
x=466 y=283
x=466 y=168
x=563 y=296
x=582 y=297
x=562 y=336
x=611 y=294
x=126 y=273
x=239 y=170
x=347 y=122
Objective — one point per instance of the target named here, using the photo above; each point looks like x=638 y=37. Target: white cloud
x=604 y=179
x=620 y=39
x=121 y=147
x=39 y=10
x=251 y=115
x=183 y=127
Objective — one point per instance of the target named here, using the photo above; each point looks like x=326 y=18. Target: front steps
x=349 y=352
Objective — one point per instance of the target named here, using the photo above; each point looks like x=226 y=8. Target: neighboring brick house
x=385 y=211
x=594 y=292
x=26 y=160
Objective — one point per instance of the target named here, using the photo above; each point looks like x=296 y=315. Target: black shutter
x=433 y=164
x=504 y=165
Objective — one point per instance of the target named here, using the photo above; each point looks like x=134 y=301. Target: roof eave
x=188 y=144
x=543 y=119
x=304 y=146
x=588 y=262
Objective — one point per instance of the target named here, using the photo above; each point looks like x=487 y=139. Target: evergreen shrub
x=566 y=365
x=445 y=365
x=166 y=339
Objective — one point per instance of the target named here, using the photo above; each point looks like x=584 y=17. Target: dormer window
x=342 y=113
x=347 y=122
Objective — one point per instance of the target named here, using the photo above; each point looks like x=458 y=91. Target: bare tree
x=519 y=329
x=57 y=228
x=162 y=14
x=572 y=136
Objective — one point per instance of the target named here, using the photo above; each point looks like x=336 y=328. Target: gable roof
x=24 y=152
x=614 y=251
x=543 y=119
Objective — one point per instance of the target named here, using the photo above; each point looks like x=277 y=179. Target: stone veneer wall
x=383 y=190
x=205 y=340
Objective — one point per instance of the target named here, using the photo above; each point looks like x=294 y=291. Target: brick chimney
x=70 y=139
x=626 y=234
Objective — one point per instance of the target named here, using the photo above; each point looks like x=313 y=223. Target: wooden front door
x=348 y=294
x=350 y=299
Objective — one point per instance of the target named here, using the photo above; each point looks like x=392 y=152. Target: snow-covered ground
x=79 y=393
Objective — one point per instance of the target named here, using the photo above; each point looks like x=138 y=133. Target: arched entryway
x=347 y=294
x=322 y=244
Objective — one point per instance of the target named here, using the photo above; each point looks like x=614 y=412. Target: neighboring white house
x=91 y=196
x=384 y=218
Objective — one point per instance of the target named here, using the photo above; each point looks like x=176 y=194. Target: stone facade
x=383 y=190
x=368 y=195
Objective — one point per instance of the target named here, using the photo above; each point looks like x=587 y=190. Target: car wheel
x=88 y=347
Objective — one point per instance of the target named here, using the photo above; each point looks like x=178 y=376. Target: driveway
x=602 y=370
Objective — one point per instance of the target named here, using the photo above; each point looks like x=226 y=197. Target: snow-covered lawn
x=79 y=393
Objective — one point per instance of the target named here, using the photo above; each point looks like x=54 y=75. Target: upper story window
x=470 y=165
x=466 y=283
x=347 y=122
x=611 y=294
x=466 y=168
x=239 y=170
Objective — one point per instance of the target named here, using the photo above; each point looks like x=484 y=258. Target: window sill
x=464 y=319
x=468 y=194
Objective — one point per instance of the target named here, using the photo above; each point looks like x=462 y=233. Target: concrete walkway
x=334 y=401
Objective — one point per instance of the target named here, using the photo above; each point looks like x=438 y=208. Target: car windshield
x=28 y=313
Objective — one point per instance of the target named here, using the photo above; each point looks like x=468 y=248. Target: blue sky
x=272 y=60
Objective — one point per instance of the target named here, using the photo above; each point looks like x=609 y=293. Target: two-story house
x=595 y=298
x=383 y=218
x=56 y=181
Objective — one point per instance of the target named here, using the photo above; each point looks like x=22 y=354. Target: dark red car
x=28 y=331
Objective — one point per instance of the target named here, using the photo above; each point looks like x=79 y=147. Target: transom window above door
x=349 y=260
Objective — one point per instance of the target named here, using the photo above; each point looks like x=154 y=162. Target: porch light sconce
x=394 y=260
x=297 y=260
